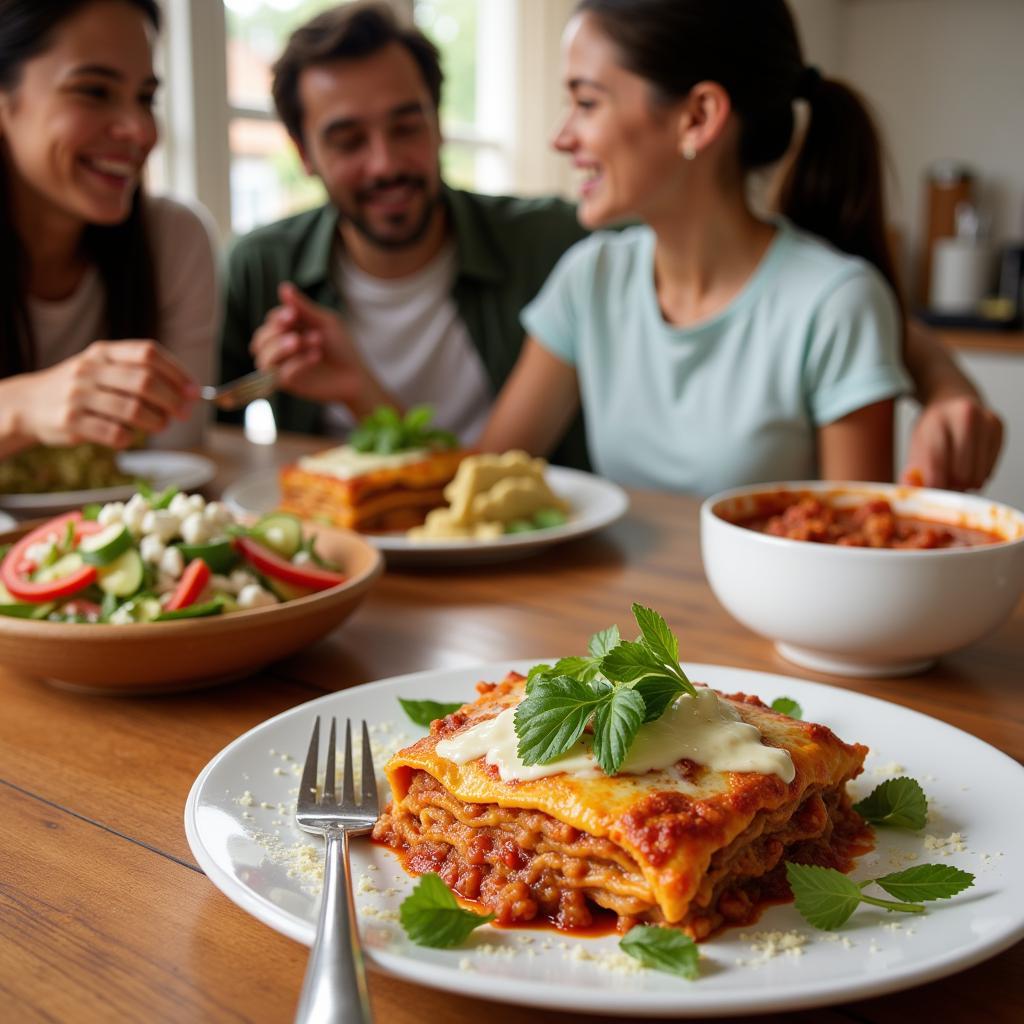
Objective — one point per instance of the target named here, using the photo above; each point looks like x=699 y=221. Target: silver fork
x=334 y=989
x=240 y=391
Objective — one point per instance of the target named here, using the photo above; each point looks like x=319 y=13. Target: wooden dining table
x=105 y=914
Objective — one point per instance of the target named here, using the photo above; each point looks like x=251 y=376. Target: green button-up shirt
x=506 y=247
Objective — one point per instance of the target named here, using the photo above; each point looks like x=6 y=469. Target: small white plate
x=238 y=820
x=159 y=469
x=595 y=502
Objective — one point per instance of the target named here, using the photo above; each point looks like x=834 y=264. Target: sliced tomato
x=190 y=586
x=17 y=565
x=271 y=564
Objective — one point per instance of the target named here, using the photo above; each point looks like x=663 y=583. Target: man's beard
x=413 y=234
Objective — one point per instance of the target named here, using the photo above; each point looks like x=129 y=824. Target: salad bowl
x=188 y=653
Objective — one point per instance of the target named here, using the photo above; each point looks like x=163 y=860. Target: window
x=267 y=180
x=221 y=143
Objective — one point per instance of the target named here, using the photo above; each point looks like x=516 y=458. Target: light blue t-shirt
x=737 y=399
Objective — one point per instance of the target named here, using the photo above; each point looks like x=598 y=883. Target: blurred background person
x=109 y=298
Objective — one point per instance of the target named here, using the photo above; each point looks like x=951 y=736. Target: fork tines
x=308 y=789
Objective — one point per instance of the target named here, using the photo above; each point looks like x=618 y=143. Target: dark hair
x=347 y=32
x=120 y=252
x=751 y=48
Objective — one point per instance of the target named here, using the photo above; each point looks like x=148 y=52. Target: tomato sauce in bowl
x=871 y=524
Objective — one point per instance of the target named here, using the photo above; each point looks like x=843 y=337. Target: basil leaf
x=899 y=802
x=418 y=418
x=663 y=949
x=658 y=637
x=788 y=706
x=423 y=712
x=615 y=727
x=925 y=882
x=657 y=693
x=825 y=897
x=553 y=716
x=603 y=642
x=431 y=916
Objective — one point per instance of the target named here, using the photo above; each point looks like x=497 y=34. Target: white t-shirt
x=187 y=309
x=412 y=338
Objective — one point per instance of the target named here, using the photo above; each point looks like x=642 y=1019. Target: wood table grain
x=104 y=914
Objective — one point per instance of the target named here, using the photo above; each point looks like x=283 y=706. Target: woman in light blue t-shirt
x=711 y=347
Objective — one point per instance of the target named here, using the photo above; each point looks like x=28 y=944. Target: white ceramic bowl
x=864 y=611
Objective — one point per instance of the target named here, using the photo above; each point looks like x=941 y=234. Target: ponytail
x=834 y=186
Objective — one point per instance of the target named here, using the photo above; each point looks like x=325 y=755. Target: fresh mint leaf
x=578 y=668
x=663 y=949
x=825 y=897
x=605 y=641
x=925 y=882
x=899 y=802
x=657 y=693
x=431 y=916
x=628 y=662
x=656 y=634
x=554 y=714
x=423 y=712
x=615 y=727
x=535 y=673
x=788 y=706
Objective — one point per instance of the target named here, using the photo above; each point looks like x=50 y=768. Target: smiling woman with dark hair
x=107 y=297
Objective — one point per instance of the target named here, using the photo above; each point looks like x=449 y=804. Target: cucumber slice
x=27 y=611
x=280 y=532
x=219 y=555
x=194 y=611
x=64 y=566
x=123 y=576
x=104 y=547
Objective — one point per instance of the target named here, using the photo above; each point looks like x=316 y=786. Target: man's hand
x=106 y=394
x=313 y=354
x=955 y=444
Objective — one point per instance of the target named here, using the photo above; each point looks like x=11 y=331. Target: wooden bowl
x=164 y=657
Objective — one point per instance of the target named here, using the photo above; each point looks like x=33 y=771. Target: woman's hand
x=314 y=356
x=955 y=444
x=106 y=394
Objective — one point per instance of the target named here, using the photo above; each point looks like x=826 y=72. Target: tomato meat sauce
x=871 y=524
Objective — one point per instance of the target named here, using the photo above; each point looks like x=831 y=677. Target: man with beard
x=399 y=290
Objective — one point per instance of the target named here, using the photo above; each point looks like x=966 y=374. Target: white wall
x=946 y=79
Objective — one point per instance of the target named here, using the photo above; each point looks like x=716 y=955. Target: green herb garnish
x=423 y=712
x=899 y=802
x=614 y=689
x=826 y=898
x=385 y=431
x=431 y=916
x=788 y=706
x=91 y=512
x=663 y=949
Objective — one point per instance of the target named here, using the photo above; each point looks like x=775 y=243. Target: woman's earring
x=689 y=151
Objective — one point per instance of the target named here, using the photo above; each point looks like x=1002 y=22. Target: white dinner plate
x=159 y=469
x=595 y=502
x=239 y=826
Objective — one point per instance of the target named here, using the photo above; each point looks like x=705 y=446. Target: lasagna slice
x=683 y=844
x=366 y=491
